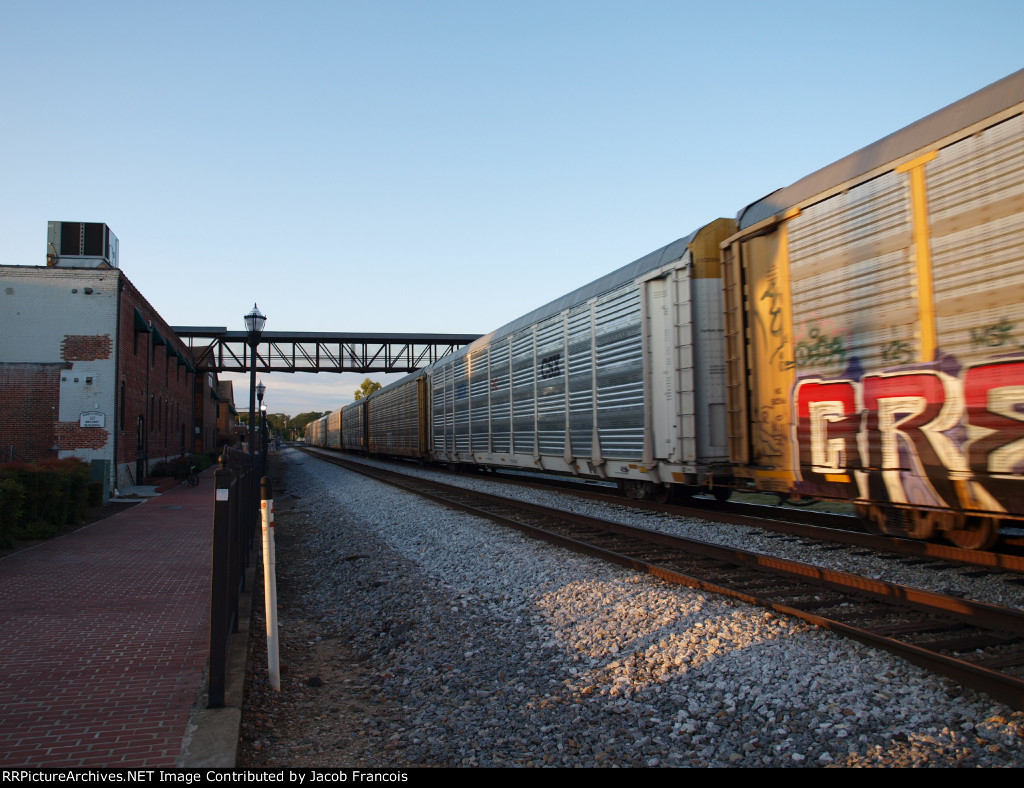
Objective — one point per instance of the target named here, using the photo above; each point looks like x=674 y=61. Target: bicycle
x=192 y=480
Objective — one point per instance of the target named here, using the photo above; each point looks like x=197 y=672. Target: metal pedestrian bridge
x=216 y=349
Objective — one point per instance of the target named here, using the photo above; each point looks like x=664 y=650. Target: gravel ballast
x=413 y=635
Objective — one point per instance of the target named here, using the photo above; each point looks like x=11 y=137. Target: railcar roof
x=976 y=107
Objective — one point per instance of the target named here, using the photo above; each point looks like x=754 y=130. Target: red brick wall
x=85 y=348
x=206 y=415
x=29 y=407
x=155 y=386
x=225 y=425
x=71 y=435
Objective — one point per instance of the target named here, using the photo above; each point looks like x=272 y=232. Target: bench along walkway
x=104 y=637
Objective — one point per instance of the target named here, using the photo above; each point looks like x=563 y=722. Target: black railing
x=236 y=514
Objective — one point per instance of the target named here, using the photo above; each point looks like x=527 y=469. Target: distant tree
x=367 y=388
x=299 y=422
x=277 y=421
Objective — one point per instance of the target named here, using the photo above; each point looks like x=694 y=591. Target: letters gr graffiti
x=922 y=437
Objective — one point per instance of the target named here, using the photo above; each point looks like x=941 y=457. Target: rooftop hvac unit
x=81 y=245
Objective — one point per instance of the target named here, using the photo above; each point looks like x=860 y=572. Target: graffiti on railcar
x=998 y=335
x=819 y=348
x=771 y=429
x=897 y=352
x=940 y=435
x=551 y=366
x=776 y=326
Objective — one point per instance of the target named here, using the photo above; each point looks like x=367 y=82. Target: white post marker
x=270 y=582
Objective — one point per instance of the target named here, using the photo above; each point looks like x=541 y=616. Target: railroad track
x=795 y=522
x=979 y=645
x=803 y=523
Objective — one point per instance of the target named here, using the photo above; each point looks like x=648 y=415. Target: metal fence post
x=220 y=583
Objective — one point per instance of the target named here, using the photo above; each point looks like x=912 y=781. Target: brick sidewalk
x=104 y=637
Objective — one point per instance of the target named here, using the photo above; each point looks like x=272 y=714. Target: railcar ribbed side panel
x=316 y=432
x=332 y=436
x=353 y=427
x=620 y=383
x=853 y=278
x=479 y=405
x=394 y=420
x=524 y=401
x=551 y=386
x=460 y=382
x=581 y=380
x=501 y=403
x=441 y=398
x=976 y=211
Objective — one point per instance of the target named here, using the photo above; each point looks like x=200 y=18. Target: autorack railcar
x=397 y=420
x=353 y=426
x=332 y=437
x=853 y=336
x=873 y=316
x=622 y=379
x=316 y=432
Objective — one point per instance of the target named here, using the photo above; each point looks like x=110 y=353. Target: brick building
x=89 y=369
x=227 y=416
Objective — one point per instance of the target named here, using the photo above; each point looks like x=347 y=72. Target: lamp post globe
x=254 y=322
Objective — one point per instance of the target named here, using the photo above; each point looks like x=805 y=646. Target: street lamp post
x=264 y=435
x=254 y=322
x=262 y=413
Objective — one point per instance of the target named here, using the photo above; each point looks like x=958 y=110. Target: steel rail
x=796 y=522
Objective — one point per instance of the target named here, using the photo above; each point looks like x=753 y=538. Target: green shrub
x=12 y=499
x=175 y=468
x=201 y=461
x=178 y=468
x=74 y=476
x=55 y=492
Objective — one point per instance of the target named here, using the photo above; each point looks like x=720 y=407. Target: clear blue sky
x=440 y=165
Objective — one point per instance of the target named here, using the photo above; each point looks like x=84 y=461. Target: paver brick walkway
x=104 y=637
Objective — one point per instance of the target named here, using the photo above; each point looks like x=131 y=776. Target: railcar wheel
x=662 y=493
x=636 y=489
x=977 y=533
x=873 y=518
x=922 y=524
x=721 y=493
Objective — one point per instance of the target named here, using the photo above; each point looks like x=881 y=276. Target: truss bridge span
x=216 y=349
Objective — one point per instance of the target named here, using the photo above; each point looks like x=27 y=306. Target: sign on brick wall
x=92 y=419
